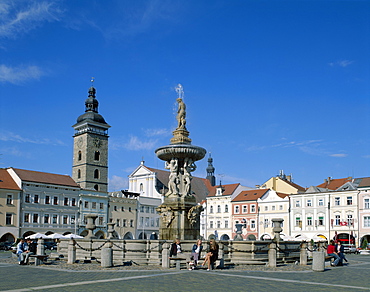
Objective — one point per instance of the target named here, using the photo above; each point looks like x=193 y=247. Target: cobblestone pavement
x=59 y=276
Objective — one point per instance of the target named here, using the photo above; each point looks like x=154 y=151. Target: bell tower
x=90 y=147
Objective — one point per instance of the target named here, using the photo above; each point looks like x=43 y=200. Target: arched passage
x=251 y=237
x=100 y=234
x=224 y=237
x=7 y=237
x=128 y=235
x=142 y=235
x=28 y=233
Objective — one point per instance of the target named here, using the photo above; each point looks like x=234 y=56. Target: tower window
x=96 y=188
x=79 y=155
x=97 y=155
x=79 y=173
x=96 y=173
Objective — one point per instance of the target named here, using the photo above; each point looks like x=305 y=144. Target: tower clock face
x=79 y=142
x=97 y=142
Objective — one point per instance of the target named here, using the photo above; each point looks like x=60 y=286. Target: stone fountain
x=180 y=214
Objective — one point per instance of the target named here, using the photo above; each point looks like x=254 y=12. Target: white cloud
x=136 y=144
x=19 y=75
x=338 y=155
x=17 y=18
x=117 y=183
x=157 y=132
x=300 y=144
x=341 y=63
x=12 y=137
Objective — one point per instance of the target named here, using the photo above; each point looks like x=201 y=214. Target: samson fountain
x=179 y=213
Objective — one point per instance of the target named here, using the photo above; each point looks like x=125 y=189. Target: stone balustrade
x=149 y=252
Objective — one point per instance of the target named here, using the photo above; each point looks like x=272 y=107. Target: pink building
x=245 y=211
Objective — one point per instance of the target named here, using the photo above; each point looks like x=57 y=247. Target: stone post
x=221 y=254
x=277 y=228
x=90 y=226
x=107 y=255
x=303 y=254
x=71 y=252
x=318 y=261
x=40 y=250
x=110 y=229
x=272 y=255
x=166 y=255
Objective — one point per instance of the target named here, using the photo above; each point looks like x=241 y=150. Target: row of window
x=337 y=202
x=96 y=156
x=48 y=218
x=244 y=209
x=124 y=222
x=115 y=208
x=50 y=200
x=147 y=209
x=321 y=222
x=96 y=173
x=94 y=205
x=148 y=222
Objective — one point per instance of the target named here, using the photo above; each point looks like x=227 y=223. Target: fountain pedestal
x=180 y=214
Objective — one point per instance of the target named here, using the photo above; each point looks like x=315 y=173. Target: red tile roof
x=6 y=181
x=251 y=195
x=333 y=184
x=45 y=177
x=365 y=182
x=228 y=190
x=282 y=195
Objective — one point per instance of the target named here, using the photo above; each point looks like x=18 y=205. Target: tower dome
x=91 y=109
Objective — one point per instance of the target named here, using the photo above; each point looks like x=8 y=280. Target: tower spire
x=211 y=171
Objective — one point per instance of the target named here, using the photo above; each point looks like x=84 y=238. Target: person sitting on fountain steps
x=212 y=254
x=175 y=249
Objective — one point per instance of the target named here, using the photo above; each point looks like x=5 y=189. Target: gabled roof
x=6 y=181
x=45 y=177
x=251 y=195
x=228 y=190
x=281 y=195
x=313 y=189
x=365 y=182
x=294 y=185
x=333 y=184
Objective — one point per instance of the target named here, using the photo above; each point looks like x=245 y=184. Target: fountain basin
x=180 y=151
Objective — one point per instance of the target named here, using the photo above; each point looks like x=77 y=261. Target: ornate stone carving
x=194 y=215
x=167 y=214
x=173 y=181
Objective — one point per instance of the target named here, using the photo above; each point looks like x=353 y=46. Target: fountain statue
x=179 y=212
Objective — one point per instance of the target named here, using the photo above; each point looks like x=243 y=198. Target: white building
x=49 y=202
x=96 y=203
x=219 y=213
x=273 y=205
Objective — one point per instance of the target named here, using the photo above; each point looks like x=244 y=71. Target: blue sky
x=269 y=85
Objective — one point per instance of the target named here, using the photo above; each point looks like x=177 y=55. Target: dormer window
x=219 y=192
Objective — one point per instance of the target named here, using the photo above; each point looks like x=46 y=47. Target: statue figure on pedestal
x=181 y=111
x=189 y=166
x=173 y=178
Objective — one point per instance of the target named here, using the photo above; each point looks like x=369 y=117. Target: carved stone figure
x=173 y=178
x=168 y=215
x=189 y=166
x=181 y=114
x=194 y=214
